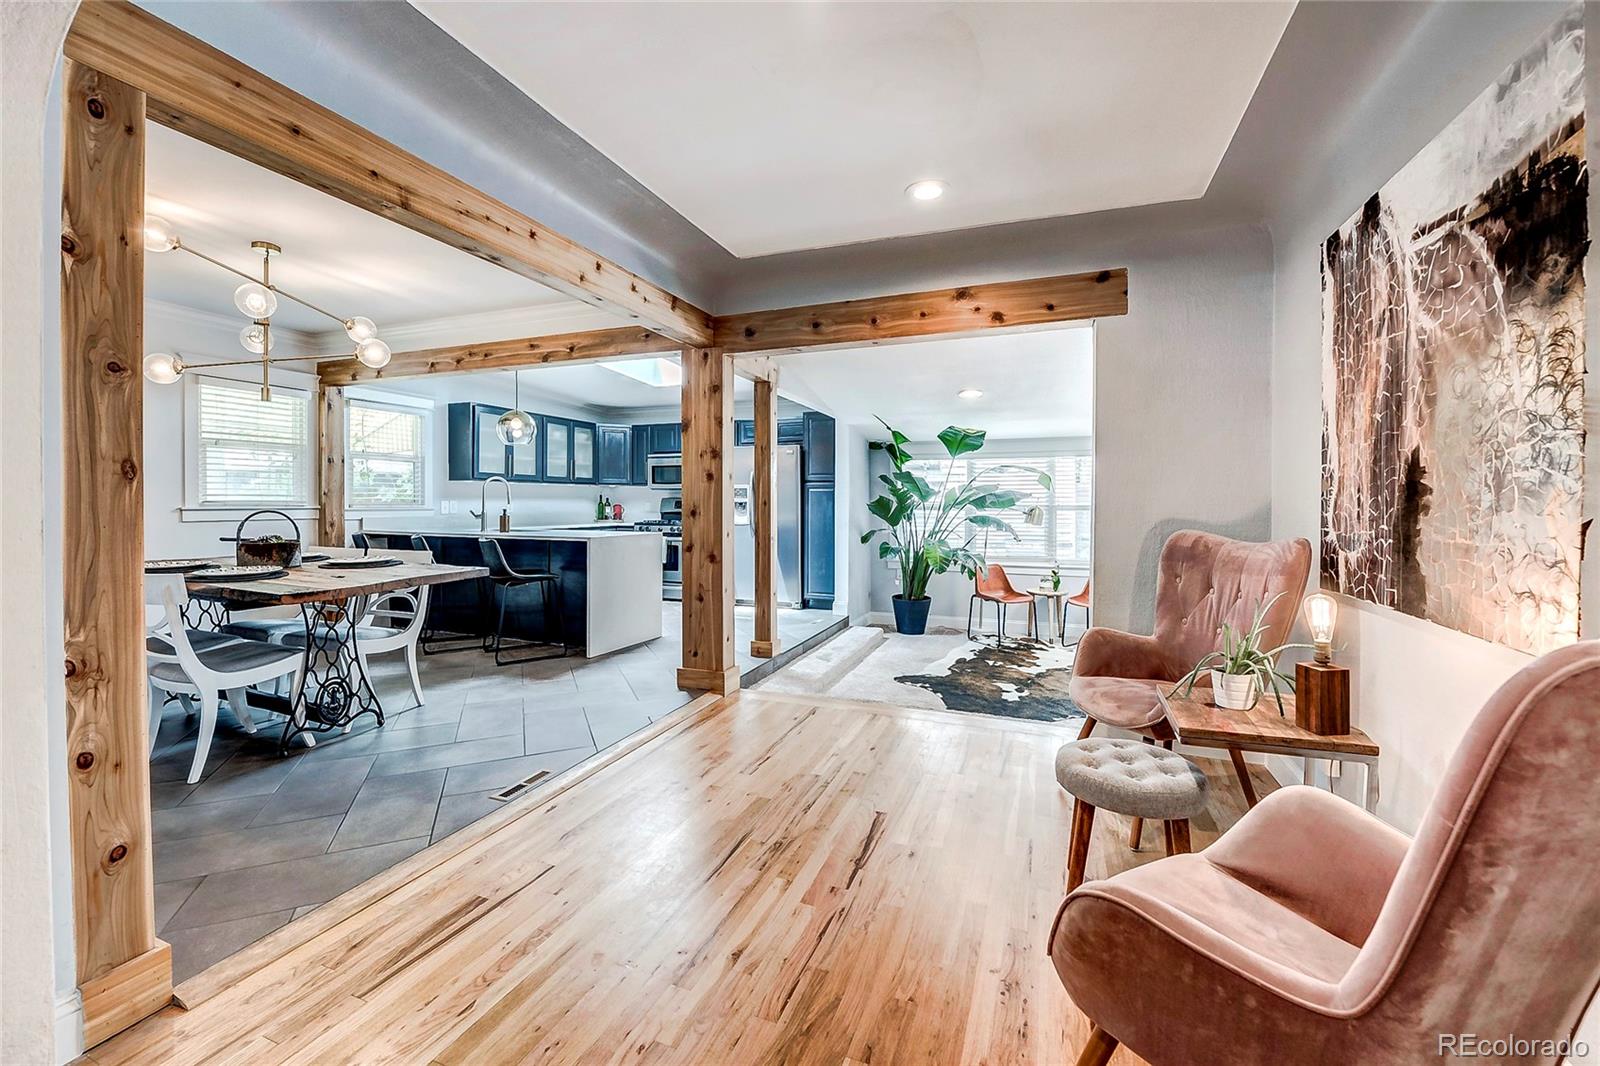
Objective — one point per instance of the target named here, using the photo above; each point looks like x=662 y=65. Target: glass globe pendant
x=373 y=352
x=516 y=426
x=255 y=300
x=360 y=328
x=163 y=368
x=256 y=339
x=159 y=236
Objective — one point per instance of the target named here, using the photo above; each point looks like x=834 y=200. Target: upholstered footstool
x=1132 y=778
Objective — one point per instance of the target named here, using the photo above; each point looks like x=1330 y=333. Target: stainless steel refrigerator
x=788 y=510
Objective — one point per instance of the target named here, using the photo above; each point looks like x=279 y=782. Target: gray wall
x=1416 y=685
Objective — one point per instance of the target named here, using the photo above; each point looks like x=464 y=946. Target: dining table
x=332 y=596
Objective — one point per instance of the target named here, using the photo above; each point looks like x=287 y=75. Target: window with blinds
x=1064 y=537
x=252 y=451
x=385 y=461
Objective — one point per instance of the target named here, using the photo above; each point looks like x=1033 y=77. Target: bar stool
x=504 y=579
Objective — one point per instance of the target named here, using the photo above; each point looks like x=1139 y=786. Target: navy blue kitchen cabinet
x=666 y=438
x=816 y=564
x=615 y=465
x=475 y=450
x=792 y=431
x=744 y=432
x=818 y=447
x=638 y=467
x=555 y=448
x=585 y=452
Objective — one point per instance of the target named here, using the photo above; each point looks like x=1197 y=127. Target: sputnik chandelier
x=257 y=300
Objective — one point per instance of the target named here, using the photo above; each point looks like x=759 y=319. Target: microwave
x=664 y=472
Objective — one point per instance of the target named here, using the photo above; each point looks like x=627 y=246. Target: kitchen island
x=610 y=581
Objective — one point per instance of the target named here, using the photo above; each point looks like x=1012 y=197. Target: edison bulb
x=255 y=300
x=163 y=368
x=373 y=352
x=256 y=338
x=159 y=236
x=1322 y=613
x=360 y=328
x=515 y=427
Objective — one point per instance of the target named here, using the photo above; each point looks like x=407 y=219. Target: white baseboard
x=69 y=1027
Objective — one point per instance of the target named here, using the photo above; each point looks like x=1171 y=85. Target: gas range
x=663 y=526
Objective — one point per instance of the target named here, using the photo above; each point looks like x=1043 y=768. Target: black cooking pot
x=266 y=551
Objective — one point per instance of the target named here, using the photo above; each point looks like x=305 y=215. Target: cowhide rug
x=946 y=671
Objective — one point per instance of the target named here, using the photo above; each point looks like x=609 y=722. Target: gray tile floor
x=261 y=840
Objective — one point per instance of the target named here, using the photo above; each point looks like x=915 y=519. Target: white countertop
x=584 y=531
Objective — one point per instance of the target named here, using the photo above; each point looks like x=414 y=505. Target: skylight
x=662 y=373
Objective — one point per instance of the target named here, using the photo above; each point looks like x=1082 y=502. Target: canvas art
x=1453 y=368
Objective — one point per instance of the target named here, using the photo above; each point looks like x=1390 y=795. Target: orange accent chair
x=1077 y=599
x=992 y=586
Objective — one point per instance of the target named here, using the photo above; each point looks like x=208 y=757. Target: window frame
x=1025 y=453
x=195 y=508
x=424 y=411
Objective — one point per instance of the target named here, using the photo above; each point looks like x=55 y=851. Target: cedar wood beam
x=918 y=315
x=197 y=90
x=502 y=355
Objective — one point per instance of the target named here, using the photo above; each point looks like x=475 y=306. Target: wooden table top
x=1195 y=719
x=312 y=583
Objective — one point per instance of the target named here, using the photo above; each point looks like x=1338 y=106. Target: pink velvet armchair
x=1312 y=933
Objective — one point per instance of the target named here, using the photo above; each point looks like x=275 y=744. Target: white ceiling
x=799 y=125
x=1034 y=384
x=583 y=385
x=340 y=257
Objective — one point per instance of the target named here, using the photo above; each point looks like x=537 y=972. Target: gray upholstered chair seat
x=232 y=657
x=270 y=629
x=201 y=640
x=1129 y=777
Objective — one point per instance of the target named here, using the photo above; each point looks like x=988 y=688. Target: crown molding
x=536 y=321
x=181 y=315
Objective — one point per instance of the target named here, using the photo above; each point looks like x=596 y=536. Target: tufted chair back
x=1206 y=580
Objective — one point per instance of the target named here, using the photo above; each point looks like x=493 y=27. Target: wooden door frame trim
x=207 y=94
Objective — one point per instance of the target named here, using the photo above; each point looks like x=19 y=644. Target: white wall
x=36 y=949
x=1416 y=685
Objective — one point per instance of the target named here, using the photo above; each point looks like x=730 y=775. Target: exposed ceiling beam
x=197 y=90
x=920 y=315
x=502 y=355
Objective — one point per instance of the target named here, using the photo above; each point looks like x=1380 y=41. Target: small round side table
x=1058 y=605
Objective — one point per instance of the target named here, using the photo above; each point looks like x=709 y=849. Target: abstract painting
x=1453 y=368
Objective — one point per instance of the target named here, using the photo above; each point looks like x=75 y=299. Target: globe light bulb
x=1322 y=613
x=256 y=339
x=515 y=427
x=360 y=329
x=373 y=352
x=159 y=236
x=163 y=368
x=255 y=300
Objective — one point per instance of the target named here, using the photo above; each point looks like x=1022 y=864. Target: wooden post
x=124 y=971
x=708 y=660
x=764 y=518
x=331 y=445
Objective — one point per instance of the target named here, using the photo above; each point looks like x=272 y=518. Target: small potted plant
x=1055 y=579
x=1242 y=670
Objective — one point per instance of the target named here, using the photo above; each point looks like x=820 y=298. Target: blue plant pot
x=911 y=616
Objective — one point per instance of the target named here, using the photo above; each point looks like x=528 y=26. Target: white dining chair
x=232 y=667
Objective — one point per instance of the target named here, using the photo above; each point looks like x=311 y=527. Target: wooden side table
x=1057 y=599
x=1195 y=720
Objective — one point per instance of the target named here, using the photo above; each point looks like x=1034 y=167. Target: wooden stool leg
x=1097 y=1051
x=1166 y=837
x=1180 y=837
x=1078 y=847
x=1135 y=833
x=1243 y=772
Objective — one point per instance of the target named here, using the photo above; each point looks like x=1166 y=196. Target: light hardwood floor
x=773 y=879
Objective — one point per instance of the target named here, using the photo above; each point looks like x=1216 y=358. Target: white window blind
x=253 y=451
x=1064 y=537
x=385 y=456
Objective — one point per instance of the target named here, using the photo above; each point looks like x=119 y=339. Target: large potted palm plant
x=931 y=530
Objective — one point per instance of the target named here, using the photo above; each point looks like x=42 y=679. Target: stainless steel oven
x=664 y=472
x=672 y=566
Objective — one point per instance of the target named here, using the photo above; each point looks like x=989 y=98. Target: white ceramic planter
x=1234 y=692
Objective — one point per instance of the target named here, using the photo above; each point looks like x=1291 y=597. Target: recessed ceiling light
x=931 y=189
x=970 y=394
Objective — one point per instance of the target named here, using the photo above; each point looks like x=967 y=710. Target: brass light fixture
x=257 y=300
